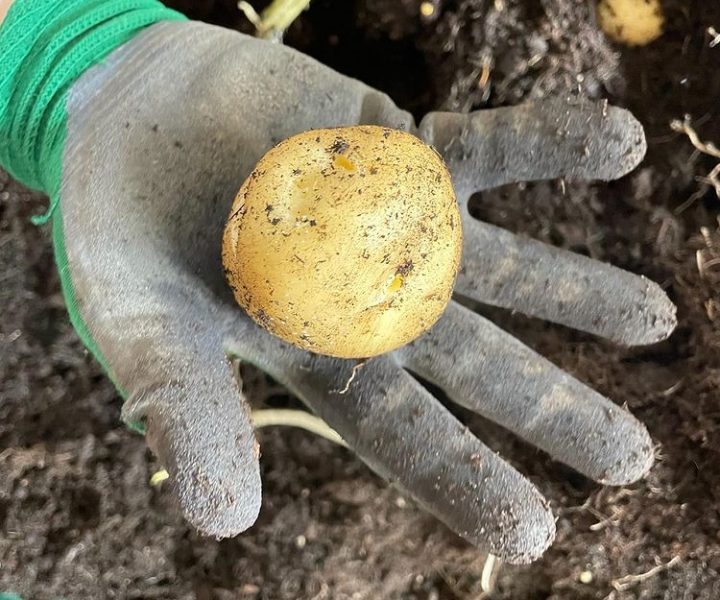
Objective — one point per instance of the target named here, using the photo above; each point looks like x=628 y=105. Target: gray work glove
x=160 y=138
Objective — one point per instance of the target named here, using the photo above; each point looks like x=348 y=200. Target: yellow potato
x=345 y=242
x=631 y=22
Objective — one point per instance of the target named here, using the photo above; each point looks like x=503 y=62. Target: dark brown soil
x=78 y=518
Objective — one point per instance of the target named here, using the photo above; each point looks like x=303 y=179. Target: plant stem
x=276 y=18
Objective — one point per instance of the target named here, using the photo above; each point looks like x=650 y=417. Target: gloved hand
x=156 y=141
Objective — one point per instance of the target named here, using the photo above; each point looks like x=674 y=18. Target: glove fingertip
x=637 y=458
x=218 y=506
x=525 y=531
x=624 y=142
x=203 y=437
x=649 y=316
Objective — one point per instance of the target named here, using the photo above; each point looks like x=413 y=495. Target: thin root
x=272 y=417
x=712 y=32
x=708 y=148
x=707 y=258
x=484 y=80
x=355 y=370
x=250 y=14
x=713 y=179
x=487 y=579
x=705 y=147
x=628 y=581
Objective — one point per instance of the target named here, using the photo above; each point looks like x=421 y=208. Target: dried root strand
x=355 y=370
x=707 y=148
x=623 y=583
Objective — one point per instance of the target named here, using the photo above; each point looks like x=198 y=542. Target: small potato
x=631 y=22
x=345 y=242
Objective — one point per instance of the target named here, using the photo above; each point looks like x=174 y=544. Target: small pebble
x=586 y=577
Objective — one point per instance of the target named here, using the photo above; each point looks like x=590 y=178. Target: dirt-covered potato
x=346 y=241
x=631 y=22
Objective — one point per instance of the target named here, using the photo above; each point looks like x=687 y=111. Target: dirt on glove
x=78 y=518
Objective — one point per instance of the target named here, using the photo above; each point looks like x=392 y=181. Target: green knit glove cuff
x=46 y=45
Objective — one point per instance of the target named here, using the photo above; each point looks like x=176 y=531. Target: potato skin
x=345 y=242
